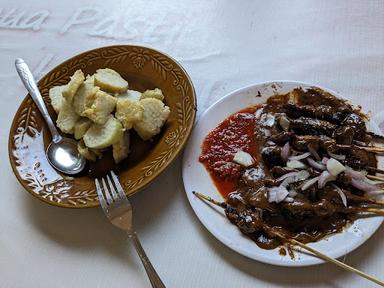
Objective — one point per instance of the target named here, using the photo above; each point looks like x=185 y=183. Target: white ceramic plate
x=196 y=178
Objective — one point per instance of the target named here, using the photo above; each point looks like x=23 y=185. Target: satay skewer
x=298 y=243
x=375 y=135
x=374 y=177
x=372 y=149
x=377 y=211
x=374 y=169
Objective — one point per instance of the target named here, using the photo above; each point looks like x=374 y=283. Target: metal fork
x=118 y=210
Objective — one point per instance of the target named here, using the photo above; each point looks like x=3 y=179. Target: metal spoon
x=62 y=152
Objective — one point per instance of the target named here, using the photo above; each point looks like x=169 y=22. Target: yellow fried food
x=155 y=93
x=154 y=116
x=81 y=126
x=121 y=148
x=129 y=94
x=110 y=81
x=128 y=112
x=102 y=106
x=74 y=84
x=56 y=96
x=85 y=95
x=102 y=136
x=67 y=117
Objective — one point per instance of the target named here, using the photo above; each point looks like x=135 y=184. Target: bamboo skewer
x=375 y=135
x=333 y=260
x=374 y=177
x=298 y=243
x=373 y=149
x=377 y=211
x=374 y=169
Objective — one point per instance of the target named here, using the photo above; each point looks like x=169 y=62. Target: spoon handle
x=29 y=82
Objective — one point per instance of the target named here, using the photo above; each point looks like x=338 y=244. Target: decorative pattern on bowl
x=144 y=68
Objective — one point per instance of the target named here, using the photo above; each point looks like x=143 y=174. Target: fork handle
x=151 y=272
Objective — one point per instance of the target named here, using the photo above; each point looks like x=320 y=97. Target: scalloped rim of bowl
x=156 y=173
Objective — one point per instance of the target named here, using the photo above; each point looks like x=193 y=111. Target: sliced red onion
x=284 y=122
x=289 y=199
x=324 y=160
x=285 y=152
x=258 y=113
x=314 y=153
x=324 y=178
x=374 y=193
x=299 y=176
x=267 y=120
x=341 y=194
x=316 y=165
x=360 y=143
x=267 y=132
x=290 y=174
x=301 y=156
x=309 y=183
x=302 y=175
x=335 y=167
x=292 y=193
x=359 y=175
x=296 y=164
x=236 y=195
x=336 y=156
x=277 y=194
x=243 y=158
x=363 y=186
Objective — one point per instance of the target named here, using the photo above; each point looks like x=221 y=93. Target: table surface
x=223 y=45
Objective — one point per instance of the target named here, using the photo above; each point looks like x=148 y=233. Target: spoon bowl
x=65 y=157
x=62 y=152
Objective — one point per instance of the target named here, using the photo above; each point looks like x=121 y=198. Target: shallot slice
x=267 y=120
x=292 y=193
x=316 y=165
x=309 y=183
x=289 y=199
x=314 y=152
x=359 y=175
x=336 y=156
x=341 y=194
x=325 y=177
x=301 y=156
x=285 y=152
x=296 y=164
x=258 y=113
x=324 y=160
x=267 y=133
x=290 y=174
x=374 y=193
x=277 y=194
x=299 y=176
x=243 y=158
x=335 y=167
x=362 y=185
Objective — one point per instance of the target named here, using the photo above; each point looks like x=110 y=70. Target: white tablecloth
x=223 y=45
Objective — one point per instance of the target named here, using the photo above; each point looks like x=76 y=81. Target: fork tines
x=113 y=192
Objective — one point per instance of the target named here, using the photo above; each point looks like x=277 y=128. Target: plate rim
x=171 y=160
x=213 y=230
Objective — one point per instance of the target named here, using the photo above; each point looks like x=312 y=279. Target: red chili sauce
x=219 y=147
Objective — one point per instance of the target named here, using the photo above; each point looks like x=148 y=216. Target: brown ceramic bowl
x=144 y=68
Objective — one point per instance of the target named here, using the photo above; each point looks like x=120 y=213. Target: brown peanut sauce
x=311 y=217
